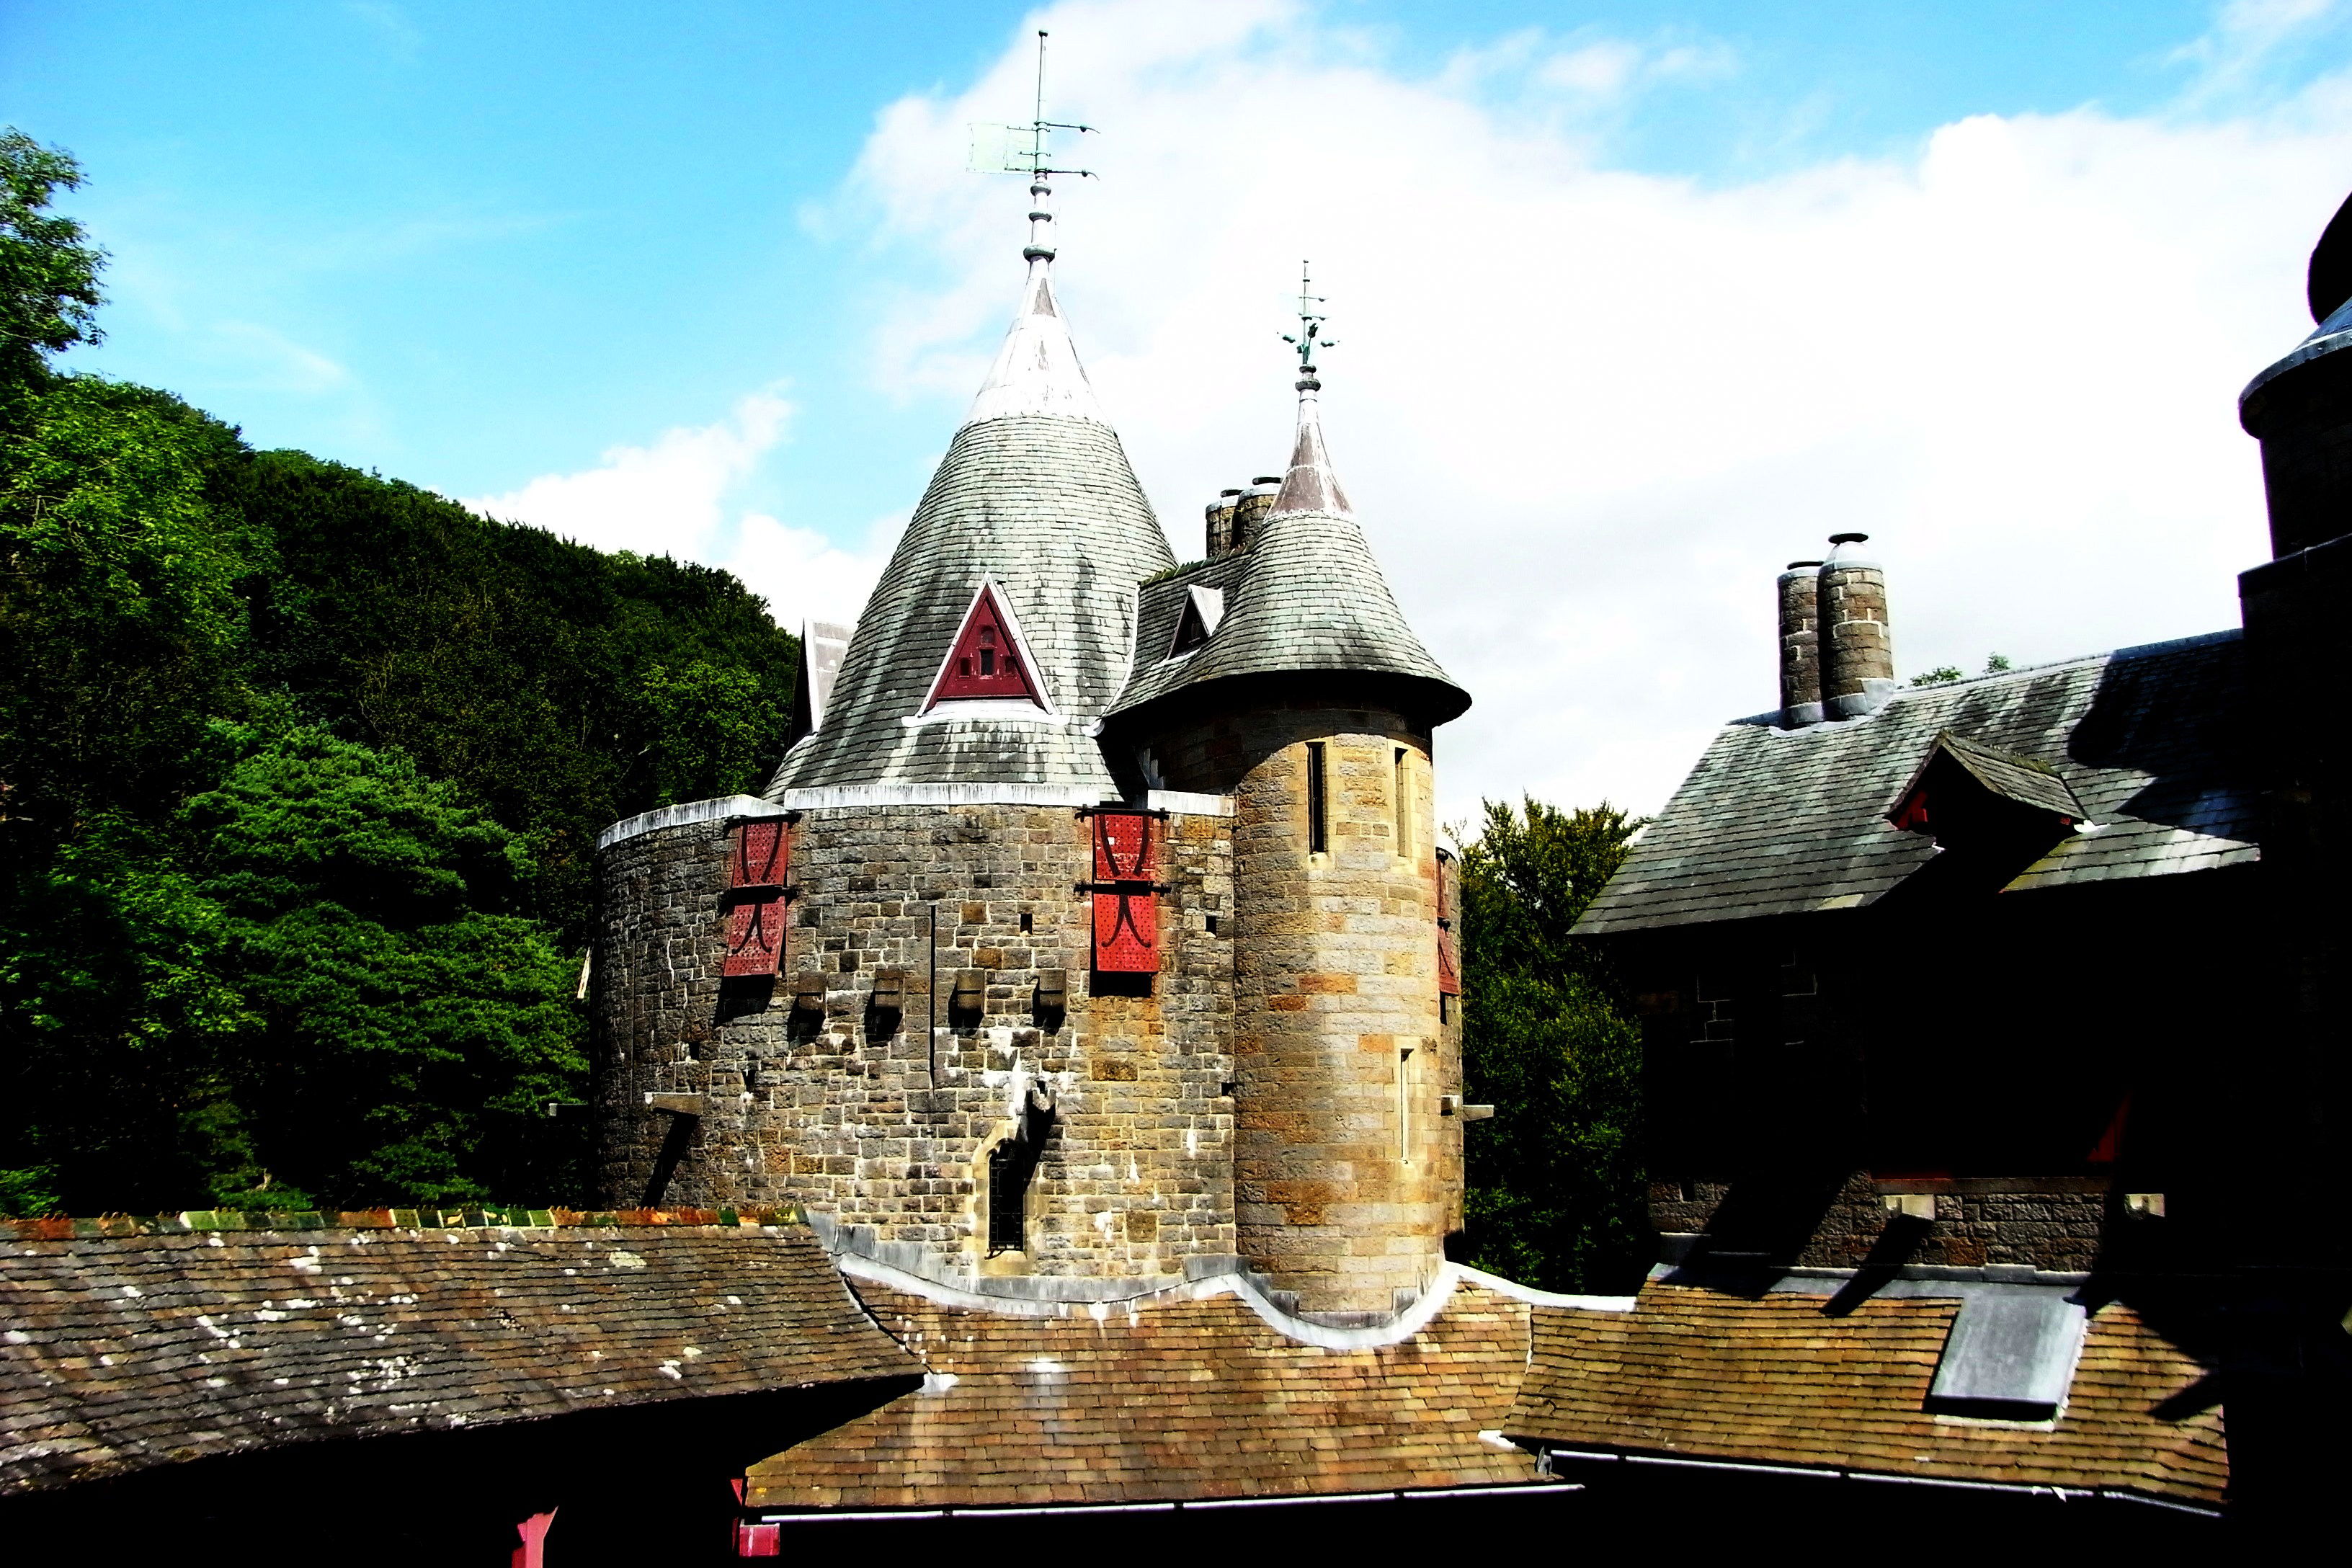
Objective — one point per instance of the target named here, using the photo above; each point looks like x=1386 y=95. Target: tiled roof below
x=124 y=1351
x=1695 y=1373
x=1183 y=1398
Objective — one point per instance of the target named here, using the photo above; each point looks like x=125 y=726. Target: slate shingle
x=1698 y=1373
x=118 y=1353
x=2151 y=740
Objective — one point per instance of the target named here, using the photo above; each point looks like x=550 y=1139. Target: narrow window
x=1403 y=793
x=1404 y=1105
x=1026 y=919
x=1318 y=840
x=1010 y=1164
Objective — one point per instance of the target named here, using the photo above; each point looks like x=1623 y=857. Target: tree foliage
x=1554 y=1180
x=49 y=271
x=300 y=774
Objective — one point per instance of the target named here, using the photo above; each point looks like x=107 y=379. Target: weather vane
x=1310 y=326
x=998 y=150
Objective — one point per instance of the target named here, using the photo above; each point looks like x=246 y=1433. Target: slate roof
x=1306 y=596
x=121 y=1353
x=1701 y=1373
x=1034 y=493
x=2152 y=740
x=1182 y=1399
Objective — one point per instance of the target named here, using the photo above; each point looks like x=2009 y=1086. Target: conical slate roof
x=1036 y=497
x=1308 y=597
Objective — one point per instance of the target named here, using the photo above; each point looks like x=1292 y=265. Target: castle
x=1093 y=926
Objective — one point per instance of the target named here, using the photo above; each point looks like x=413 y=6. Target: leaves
x=1554 y=1179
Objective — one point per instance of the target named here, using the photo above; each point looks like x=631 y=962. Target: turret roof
x=1034 y=496
x=1307 y=597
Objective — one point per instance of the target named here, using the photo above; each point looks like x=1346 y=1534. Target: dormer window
x=1967 y=794
x=1205 y=608
x=987 y=661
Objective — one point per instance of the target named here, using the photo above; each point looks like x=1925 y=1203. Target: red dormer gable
x=988 y=660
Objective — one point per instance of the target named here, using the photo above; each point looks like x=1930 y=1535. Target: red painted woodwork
x=1123 y=846
x=1127 y=933
x=1126 y=913
x=755 y=917
x=2110 y=1146
x=764 y=855
x=986 y=662
x=755 y=937
x=532 y=1552
x=1449 y=976
x=758 y=1539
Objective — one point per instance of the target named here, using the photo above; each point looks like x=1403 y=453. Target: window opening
x=1403 y=796
x=1009 y=1166
x=758 y=867
x=1318 y=840
x=1404 y=1105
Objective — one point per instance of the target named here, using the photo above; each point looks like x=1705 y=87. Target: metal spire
x=1310 y=324
x=1037 y=370
x=1008 y=156
x=1310 y=485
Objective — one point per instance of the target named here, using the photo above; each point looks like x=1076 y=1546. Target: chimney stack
x=1220 y=523
x=1249 y=514
x=1801 y=644
x=1857 y=649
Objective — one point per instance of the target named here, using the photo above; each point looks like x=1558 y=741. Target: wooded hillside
x=300 y=773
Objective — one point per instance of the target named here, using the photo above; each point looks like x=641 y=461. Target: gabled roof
x=2021 y=780
x=2151 y=740
x=1306 y=596
x=127 y=1351
x=1034 y=494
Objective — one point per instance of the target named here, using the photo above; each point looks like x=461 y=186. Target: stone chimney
x=1220 y=523
x=1857 y=650
x=1801 y=646
x=1249 y=513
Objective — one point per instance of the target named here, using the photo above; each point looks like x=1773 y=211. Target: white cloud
x=1587 y=413
x=675 y=497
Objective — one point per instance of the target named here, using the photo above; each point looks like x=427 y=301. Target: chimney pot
x=1220 y=523
x=1800 y=653
x=1857 y=648
x=1251 y=508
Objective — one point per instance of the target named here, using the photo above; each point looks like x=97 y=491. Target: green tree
x=411 y=1028
x=122 y=621
x=1554 y=1180
x=49 y=271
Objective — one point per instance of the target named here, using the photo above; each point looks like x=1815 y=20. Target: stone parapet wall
x=2059 y=1224
x=885 y=1120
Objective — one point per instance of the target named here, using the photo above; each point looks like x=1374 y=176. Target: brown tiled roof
x=119 y=1352
x=1178 y=1399
x=1698 y=1373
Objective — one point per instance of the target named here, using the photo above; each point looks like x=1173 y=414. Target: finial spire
x=1310 y=485
x=1310 y=324
x=1037 y=160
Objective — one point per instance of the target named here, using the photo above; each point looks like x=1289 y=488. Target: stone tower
x=1311 y=704
x=1057 y=956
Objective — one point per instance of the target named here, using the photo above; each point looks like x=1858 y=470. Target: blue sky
x=728 y=249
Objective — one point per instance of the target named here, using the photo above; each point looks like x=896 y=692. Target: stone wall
x=1348 y=1176
x=886 y=1120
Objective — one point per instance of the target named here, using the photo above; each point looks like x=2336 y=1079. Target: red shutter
x=1123 y=846
x=1127 y=916
x=1449 y=973
x=755 y=908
